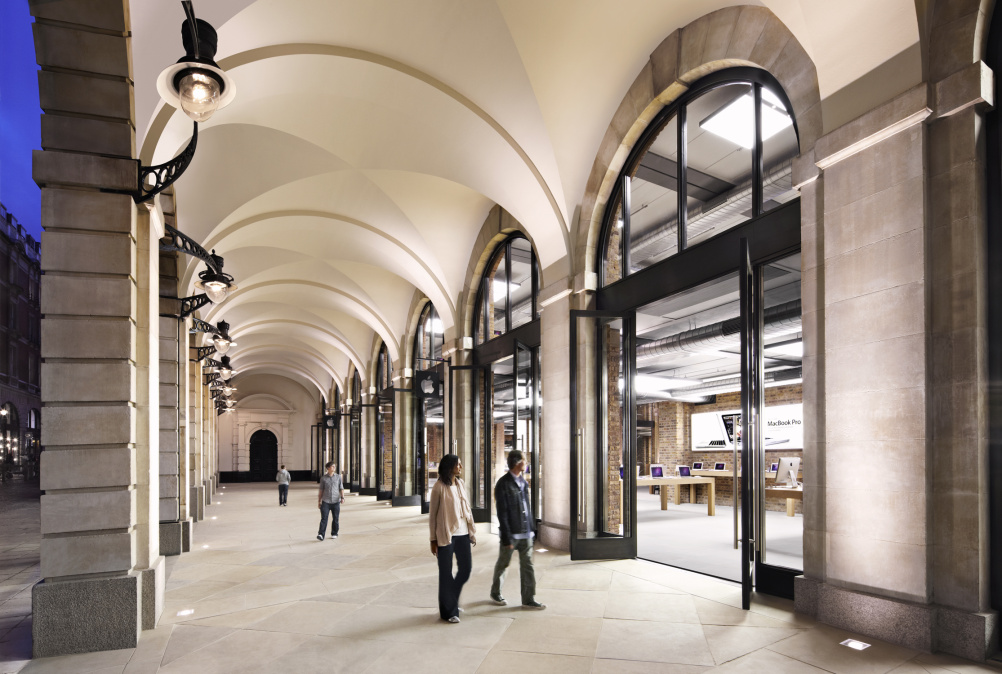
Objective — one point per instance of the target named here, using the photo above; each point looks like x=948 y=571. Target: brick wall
x=671 y=439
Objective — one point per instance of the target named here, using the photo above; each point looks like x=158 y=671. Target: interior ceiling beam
x=664 y=172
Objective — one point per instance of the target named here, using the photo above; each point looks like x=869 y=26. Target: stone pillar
x=148 y=558
x=405 y=450
x=196 y=490
x=99 y=559
x=557 y=434
x=895 y=374
x=208 y=415
x=175 y=527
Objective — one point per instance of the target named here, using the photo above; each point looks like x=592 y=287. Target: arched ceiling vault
x=368 y=141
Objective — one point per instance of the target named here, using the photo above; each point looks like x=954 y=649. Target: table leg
x=664 y=496
x=711 y=500
x=791 y=507
x=692 y=493
x=678 y=494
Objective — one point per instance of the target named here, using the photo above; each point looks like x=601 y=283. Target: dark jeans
x=325 y=509
x=449 y=586
x=283 y=493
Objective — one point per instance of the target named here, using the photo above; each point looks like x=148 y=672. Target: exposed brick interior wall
x=671 y=440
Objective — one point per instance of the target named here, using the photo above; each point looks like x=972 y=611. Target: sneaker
x=320 y=538
x=535 y=605
x=461 y=609
x=333 y=537
x=454 y=619
x=499 y=600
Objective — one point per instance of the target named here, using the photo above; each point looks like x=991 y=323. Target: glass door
x=603 y=421
x=429 y=436
x=385 y=446
x=526 y=407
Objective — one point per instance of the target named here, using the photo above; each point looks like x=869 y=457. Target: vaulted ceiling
x=368 y=141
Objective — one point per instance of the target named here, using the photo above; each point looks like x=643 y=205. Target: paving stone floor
x=259 y=593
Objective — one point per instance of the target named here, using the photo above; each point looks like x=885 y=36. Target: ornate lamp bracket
x=152 y=180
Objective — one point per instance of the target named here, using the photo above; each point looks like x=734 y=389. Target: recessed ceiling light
x=856 y=645
x=736 y=120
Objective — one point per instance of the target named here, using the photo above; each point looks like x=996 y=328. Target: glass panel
x=721 y=134
x=498 y=299
x=385 y=446
x=603 y=508
x=688 y=394
x=523 y=408
x=432 y=438
x=779 y=147
x=537 y=464
x=614 y=247
x=482 y=446
x=502 y=436
x=654 y=201
x=520 y=282
x=782 y=523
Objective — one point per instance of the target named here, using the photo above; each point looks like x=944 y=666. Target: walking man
x=283 y=478
x=511 y=498
x=329 y=500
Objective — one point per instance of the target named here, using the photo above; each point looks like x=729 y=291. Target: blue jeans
x=325 y=509
x=449 y=586
x=283 y=493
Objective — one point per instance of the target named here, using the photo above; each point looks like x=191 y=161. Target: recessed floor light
x=187 y=611
x=540 y=550
x=856 y=645
x=204 y=546
x=213 y=517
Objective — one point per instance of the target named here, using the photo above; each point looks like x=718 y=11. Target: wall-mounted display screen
x=716 y=431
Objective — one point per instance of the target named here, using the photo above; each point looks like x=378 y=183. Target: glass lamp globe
x=228 y=390
x=221 y=343
x=215 y=290
x=225 y=372
x=199 y=95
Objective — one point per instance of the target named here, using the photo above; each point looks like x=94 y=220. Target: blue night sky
x=19 y=115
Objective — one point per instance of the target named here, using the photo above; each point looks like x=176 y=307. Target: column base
x=175 y=537
x=923 y=627
x=81 y=616
x=555 y=536
x=153 y=583
x=197 y=502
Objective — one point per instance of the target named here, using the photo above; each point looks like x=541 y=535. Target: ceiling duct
x=779 y=318
x=734 y=383
x=720 y=211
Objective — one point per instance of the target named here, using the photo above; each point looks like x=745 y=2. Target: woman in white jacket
x=453 y=532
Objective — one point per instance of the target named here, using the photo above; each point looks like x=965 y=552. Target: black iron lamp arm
x=180 y=241
x=163 y=175
x=202 y=352
x=190 y=305
x=198 y=325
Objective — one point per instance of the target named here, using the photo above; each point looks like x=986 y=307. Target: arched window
x=356 y=390
x=384 y=370
x=719 y=156
x=428 y=338
x=508 y=290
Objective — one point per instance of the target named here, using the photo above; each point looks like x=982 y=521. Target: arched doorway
x=263 y=456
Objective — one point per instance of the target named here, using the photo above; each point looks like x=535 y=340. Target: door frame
x=605 y=546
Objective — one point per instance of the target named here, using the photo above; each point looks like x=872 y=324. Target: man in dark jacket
x=511 y=498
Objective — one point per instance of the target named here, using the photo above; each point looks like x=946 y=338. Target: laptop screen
x=698 y=465
x=683 y=471
x=657 y=471
x=718 y=466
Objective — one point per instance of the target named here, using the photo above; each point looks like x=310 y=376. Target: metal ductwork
x=706 y=216
x=734 y=383
x=777 y=318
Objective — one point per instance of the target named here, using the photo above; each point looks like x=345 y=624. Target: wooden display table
x=677 y=483
x=791 y=494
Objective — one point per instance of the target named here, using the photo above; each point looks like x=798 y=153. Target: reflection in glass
x=719 y=165
x=653 y=222
x=520 y=282
x=779 y=147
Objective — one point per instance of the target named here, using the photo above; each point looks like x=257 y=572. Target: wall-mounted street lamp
x=196 y=85
x=221 y=340
x=214 y=281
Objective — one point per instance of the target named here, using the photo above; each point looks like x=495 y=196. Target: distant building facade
x=20 y=353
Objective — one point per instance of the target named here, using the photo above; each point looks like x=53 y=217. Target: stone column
x=894 y=257
x=208 y=415
x=175 y=526
x=99 y=562
x=556 y=432
x=196 y=490
x=369 y=448
x=405 y=451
